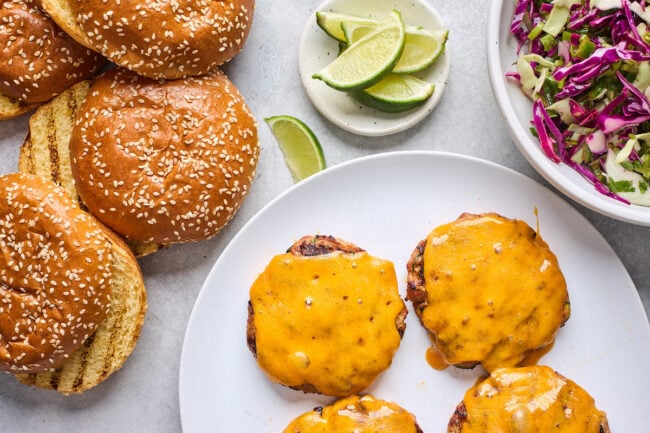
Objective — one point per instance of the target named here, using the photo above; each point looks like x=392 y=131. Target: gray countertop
x=143 y=396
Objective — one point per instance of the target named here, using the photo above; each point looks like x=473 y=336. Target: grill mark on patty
x=310 y=246
x=457 y=419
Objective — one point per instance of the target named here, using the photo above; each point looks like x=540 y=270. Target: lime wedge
x=396 y=93
x=300 y=147
x=353 y=31
x=330 y=22
x=421 y=47
x=368 y=60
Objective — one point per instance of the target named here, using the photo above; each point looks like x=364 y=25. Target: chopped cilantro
x=621 y=186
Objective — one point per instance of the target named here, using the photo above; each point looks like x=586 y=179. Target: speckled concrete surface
x=143 y=396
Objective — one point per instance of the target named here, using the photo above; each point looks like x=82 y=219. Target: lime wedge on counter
x=330 y=22
x=302 y=152
x=396 y=93
x=421 y=47
x=368 y=60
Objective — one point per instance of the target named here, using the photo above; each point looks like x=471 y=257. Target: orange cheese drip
x=327 y=320
x=355 y=414
x=532 y=400
x=495 y=291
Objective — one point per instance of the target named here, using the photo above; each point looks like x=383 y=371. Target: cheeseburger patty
x=325 y=317
x=489 y=291
x=356 y=414
x=528 y=399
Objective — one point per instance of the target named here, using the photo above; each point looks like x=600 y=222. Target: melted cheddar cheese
x=327 y=321
x=355 y=414
x=530 y=399
x=495 y=292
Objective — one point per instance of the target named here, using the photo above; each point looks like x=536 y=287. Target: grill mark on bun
x=54 y=380
x=53 y=151
x=83 y=364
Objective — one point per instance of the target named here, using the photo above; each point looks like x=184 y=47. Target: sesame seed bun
x=158 y=39
x=46 y=149
x=105 y=351
x=40 y=59
x=54 y=275
x=163 y=162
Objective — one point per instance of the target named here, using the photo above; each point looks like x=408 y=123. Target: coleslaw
x=586 y=66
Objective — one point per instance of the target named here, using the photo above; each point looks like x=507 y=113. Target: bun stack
x=159 y=149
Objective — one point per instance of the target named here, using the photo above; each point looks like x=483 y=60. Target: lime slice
x=421 y=47
x=368 y=60
x=330 y=22
x=396 y=93
x=300 y=147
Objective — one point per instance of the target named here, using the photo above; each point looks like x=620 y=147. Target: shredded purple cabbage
x=596 y=59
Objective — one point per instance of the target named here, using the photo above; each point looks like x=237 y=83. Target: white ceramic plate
x=517 y=111
x=317 y=50
x=386 y=204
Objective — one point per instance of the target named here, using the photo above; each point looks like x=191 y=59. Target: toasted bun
x=109 y=347
x=12 y=107
x=534 y=398
x=54 y=272
x=158 y=39
x=40 y=59
x=163 y=162
x=46 y=150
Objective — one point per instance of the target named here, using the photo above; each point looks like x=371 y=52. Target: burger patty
x=311 y=246
x=415 y=289
x=472 y=279
x=571 y=403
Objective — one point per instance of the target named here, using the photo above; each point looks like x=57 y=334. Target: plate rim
x=636 y=299
x=412 y=117
x=553 y=173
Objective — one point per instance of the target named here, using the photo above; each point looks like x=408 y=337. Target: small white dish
x=517 y=111
x=317 y=50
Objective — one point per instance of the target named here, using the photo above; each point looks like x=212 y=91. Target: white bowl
x=517 y=111
x=317 y=50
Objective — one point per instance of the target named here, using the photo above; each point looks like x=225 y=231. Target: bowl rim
x=555 y=174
